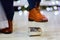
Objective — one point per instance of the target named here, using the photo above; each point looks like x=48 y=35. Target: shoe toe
x=44 y=20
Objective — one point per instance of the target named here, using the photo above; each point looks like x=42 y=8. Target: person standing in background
x=9 y=12
x=34 y=11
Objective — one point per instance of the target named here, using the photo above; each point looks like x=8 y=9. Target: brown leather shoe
x=34 y=15
x=7 y=30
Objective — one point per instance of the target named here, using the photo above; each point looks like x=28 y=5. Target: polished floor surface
x=51 y=29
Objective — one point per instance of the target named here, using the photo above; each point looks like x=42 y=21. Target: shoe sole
x=39 y=21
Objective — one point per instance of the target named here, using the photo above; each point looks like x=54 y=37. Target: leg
x=31 y=4
x=38 y=5
x=9 y=10
x=8 y=7
x=34 y=13
x=32 y=10
x=38 y=2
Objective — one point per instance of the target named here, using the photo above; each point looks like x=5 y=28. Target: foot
x=6 y=31
x=35 y=16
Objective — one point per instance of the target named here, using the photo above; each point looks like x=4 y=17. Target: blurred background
x=50 y=29
x=48 y=5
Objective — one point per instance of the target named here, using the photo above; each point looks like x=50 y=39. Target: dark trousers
x=8 y=8
x=32 y=3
